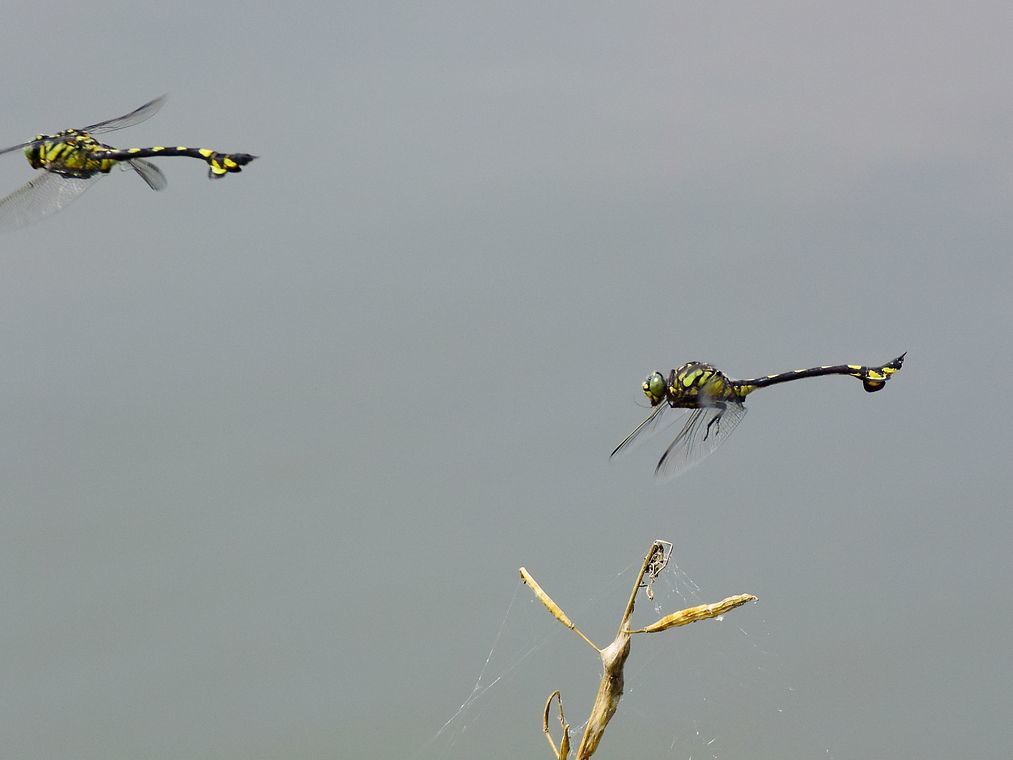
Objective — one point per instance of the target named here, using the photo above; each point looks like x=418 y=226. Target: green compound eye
x=654 y=388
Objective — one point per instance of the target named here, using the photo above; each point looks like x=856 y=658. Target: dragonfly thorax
x=70 y=153
x=696 y=384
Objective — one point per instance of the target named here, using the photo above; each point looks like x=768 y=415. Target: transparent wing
x=136 y=116
x=656 y=421
x=149 y=173
x=15 y=147
x=41 y=197
x=705 y=430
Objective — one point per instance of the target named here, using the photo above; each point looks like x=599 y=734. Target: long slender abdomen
x=873 y=378
x=219 y=164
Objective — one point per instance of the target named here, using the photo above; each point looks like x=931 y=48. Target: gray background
x=274 y=447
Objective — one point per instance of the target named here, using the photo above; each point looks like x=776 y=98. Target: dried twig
x=613 y=657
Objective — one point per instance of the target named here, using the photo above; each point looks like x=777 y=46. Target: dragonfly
x=715 y=405
x=72 y=160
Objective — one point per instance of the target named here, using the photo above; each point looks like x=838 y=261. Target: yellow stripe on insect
x=203 y=151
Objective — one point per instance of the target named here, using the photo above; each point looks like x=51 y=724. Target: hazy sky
x=274 y=447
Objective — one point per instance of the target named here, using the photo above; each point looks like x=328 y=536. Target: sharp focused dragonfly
x=716 y=406
x=72 y=160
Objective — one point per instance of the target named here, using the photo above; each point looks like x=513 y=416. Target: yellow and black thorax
x=69 y=153
x=694 y=385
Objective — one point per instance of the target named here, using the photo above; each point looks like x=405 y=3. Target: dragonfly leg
x=716 y=422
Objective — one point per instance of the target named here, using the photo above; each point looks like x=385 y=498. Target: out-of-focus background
x=273 y=448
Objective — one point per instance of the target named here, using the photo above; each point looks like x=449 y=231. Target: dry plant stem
x=564 y=746
x=613 y=657
x=552 y=607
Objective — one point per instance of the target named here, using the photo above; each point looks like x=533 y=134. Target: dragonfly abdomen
x=873 y=378
x=219 y=164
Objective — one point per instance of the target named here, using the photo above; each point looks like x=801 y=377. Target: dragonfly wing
x=656 y=421
x=41 y=197
x=149 y=173
x=136 y=116
x=705 y=430
x=16 y=147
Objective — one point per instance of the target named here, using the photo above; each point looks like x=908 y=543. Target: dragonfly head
x=655 y=388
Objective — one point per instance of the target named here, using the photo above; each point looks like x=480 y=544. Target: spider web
x=530 y=655
x=715 y=690
x=712 y=690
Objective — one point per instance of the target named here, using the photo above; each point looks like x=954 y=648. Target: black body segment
x=219 y=164
x=873 y=378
